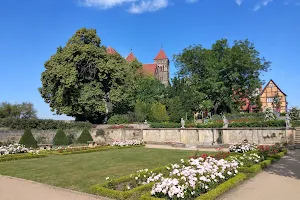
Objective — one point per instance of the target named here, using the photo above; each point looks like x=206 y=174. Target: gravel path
x=281 y=181
x=19 y=189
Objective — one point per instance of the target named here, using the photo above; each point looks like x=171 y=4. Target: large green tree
x=224 y=74
x=84 y=81
x=23 y=110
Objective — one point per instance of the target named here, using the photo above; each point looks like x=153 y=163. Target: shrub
x=158 y=113
x=295 y=113
x=71 y=138
x=28 y=140
x=85 y=137
x=118 y=119
x=142 y=111
x=41 y=124
x=60 y=138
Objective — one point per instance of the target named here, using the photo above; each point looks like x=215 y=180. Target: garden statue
x=145 y=122
x=182 y=123
x=287 y=120
x=225 y=122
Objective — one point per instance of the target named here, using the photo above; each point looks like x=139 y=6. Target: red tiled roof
x=161 y=55
x=130 y=57
x=111 y=50
x=149 y=69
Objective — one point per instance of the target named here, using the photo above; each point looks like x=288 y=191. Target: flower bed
x=242 y=147
x=85 y=149
x=15 y=149
x=127 y=143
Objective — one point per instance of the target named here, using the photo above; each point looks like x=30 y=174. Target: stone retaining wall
x=188 y=136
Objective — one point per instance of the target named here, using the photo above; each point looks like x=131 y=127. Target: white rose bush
x=127 y=143
x=194 y=177
x=242 y=147
x=15 y=149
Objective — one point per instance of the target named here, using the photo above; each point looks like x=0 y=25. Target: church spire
x=161 y=55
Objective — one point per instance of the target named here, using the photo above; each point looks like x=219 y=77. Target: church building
x=160 y=68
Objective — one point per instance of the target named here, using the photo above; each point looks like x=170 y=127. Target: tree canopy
x=83 y=81
x=222 y=74
x=24 y=110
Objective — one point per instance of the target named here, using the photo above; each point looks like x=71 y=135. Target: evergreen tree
x=28 y=140
x=60 y=138
x=85 y=137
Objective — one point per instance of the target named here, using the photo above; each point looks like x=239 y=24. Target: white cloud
x=239 y=2
x=191 y=1
x=104 y=4
x=135 y=6
x=148 y=6
x=261 y=4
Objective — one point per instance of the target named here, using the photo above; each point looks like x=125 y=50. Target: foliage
x=176 y=109
x=275 y=123
x=85 y=137
x=224 y=74
x=24 y=110
x=71 y=138
x=294 y=113
x=118 y=119
x=28 y=140
x=42 y=124
x=268 y=150
x=164 y=125
x=158 y=113
x=234 y=116
x=242 y=147
x=84 y=81
x=223 y=188
x=20 y=157
x=269 y=114
x=142 y=111
x=60 y=138
x=149 y=90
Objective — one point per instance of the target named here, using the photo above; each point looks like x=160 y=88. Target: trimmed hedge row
x=42 y=124
x=275 y=123
x=104 y=190
x=89 y=150
x=20 y=157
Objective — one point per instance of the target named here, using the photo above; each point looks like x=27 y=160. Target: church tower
x=162 y=71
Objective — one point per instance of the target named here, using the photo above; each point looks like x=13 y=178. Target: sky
x=31 y=30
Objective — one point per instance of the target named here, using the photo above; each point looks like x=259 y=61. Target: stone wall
x=42 y=136
x=189 y=136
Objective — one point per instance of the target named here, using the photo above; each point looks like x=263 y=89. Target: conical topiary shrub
x=60 y=138
x=28 y=140
x=84 y=137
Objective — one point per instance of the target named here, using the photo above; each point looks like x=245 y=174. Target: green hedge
x=104 y=190
x=20 y=156
x=276 y=123
x=60 y=138
x=28 y=140
x=89 y=150
x=212 y=194
x=42 y=124
x=224 y=187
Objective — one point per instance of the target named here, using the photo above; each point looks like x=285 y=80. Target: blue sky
x=31 y=30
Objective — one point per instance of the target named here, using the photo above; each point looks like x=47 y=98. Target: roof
x=111 y=50
x=149 y=69
x=161 y=55
x=275 y=85
x=130 y=57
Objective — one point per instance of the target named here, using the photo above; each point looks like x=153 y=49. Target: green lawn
x=81 y=171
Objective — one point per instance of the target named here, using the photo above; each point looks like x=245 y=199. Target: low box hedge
x=20 y=156
x=88 y=150
x=213 y=193
x=223 y=187
x=104 y=190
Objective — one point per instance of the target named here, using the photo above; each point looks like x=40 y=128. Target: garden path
x=280 y=181
x=20 y=189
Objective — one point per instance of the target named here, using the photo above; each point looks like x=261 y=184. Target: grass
x=81 y=171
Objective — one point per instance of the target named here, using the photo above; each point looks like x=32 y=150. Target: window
x=269 y=100
x=271 y=85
